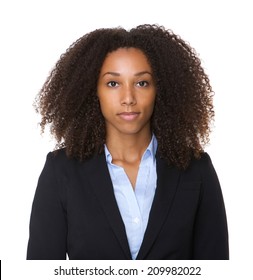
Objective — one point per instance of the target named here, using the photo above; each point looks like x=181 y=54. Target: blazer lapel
x=167 y=182
x=99 y=177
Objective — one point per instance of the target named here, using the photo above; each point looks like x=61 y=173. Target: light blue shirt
x=135 y=205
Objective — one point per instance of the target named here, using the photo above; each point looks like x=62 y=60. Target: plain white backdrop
x=33 y=36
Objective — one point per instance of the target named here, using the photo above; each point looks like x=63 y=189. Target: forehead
x=126 y=58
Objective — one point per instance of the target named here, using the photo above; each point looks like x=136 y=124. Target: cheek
x=103 y=106
x=149 y=102
x=107 y=104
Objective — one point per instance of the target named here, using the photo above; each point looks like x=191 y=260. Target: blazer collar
x=100 y=180
x=167 y=182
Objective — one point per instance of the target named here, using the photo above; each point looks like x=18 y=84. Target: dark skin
x=126 y=93
x=68 y=101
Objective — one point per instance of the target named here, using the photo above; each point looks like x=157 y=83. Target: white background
x=33 y=36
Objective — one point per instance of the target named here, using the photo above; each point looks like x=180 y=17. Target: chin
x=131 y=131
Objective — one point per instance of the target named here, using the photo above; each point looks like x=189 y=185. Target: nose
x=128 y=96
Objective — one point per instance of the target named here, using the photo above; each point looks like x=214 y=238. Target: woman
x=131 y=113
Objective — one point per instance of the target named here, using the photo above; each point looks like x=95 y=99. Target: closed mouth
x=128 y=113
x=128 y=116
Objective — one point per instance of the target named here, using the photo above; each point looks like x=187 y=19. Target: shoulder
x=58 y=155
x=201 y=168
x=60 y=158
x=62 y=162
x=198 y=164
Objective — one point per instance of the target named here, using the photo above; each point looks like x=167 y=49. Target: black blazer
x=74 y=212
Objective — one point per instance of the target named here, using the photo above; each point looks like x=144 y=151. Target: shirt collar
x=150 y=151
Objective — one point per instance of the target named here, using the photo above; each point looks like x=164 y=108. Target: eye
x=112 y=84
x=142 y=84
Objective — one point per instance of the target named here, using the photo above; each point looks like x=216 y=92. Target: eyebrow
x=118 y=74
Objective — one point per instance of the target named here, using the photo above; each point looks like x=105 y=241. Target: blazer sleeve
x=48 y=226
x=211 y=233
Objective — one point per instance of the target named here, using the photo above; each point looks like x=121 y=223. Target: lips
x=128 y=116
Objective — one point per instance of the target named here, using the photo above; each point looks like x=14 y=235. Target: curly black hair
x=184 y=98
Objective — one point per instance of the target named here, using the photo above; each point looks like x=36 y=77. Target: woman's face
x=126 y=92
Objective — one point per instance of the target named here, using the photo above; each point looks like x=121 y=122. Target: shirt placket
x=132 y=215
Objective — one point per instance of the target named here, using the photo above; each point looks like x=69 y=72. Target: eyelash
x=116 y=83
x=110 y=83
x=145 y=82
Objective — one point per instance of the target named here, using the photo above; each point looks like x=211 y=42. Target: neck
x=128 y=148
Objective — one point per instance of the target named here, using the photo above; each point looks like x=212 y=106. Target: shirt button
x=136 y=220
